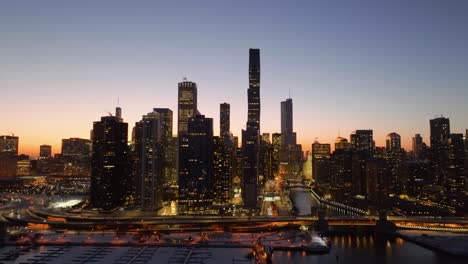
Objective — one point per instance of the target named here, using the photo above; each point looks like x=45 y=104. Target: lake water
x=368 y=249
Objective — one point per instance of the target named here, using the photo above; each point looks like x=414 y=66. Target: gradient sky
x=386 y=65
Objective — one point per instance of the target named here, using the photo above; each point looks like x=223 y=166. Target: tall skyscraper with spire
x=291 y=152
x=251 y=136
x=288 y=136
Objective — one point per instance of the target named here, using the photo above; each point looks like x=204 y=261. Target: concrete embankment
x=449 y=243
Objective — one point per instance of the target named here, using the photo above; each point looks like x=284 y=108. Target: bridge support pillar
x=384 y=226
x=3 y=227
x=322 y=223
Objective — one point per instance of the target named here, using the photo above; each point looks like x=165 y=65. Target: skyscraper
x=110 y=170
x=196 y=166
x=253 y=93
x=417 y=145
x=187 y=105
x=466 y=160
x=148 y=152
x=288 y=135
x=76 y=154
x=225 y=117
x=340 y=171
x=307 y=167
x=393 y=142
x=291 y=152
x=363 y=148
x=377 y=177
x=76 y=147
x=9 y=144
x=287 y=116
x=440 y=133
x=362 y=142
x=321 y=162
x=168 y=164
x=45 y=151
x=8 y=155
x=222 y=155
x=341 y=143
x=251 y=136
x=266 y=159
x=394 y=161
x=276 y=144
x=455 y=180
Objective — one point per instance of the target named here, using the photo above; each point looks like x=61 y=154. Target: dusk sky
x=389 y=66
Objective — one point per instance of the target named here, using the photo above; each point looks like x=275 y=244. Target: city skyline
x=248 y=131
x=63 y=93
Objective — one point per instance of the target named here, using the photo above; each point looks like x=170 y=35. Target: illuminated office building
x=440 y=133
x=363 y=148
x=251 y=136
x=224 y=119
x=45 y=151
x=149 y=176
x=76 y=155
x=394 y=163
x=110 y=178
x=341 y=143
x=196 y=166
x=291 y=152
x=455 y=180
x=340 y=172
x=418 y=146
x=8 y=155
x=222 y=155
x=393 y=142
x=168 y=163
x=23 y=166
x=377 y=177
x=362 y=142
x=187 y=105
x=321 y=162
x=276 y=145
x=9 y=144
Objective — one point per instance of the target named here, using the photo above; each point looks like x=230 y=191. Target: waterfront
x=345 y=249
x=368 y=249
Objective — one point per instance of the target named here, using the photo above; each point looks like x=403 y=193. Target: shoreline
x=438 y=242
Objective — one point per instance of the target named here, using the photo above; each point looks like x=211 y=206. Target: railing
x=337 y=205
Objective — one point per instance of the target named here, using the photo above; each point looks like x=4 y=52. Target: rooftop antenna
x=118 y=101
x=184 y=79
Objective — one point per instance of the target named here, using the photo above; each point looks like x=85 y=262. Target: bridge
x=339 y=215
x=42 y=219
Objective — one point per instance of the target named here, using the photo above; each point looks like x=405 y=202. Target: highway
x=25 y=210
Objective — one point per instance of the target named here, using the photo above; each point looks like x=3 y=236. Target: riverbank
x=449 y=243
